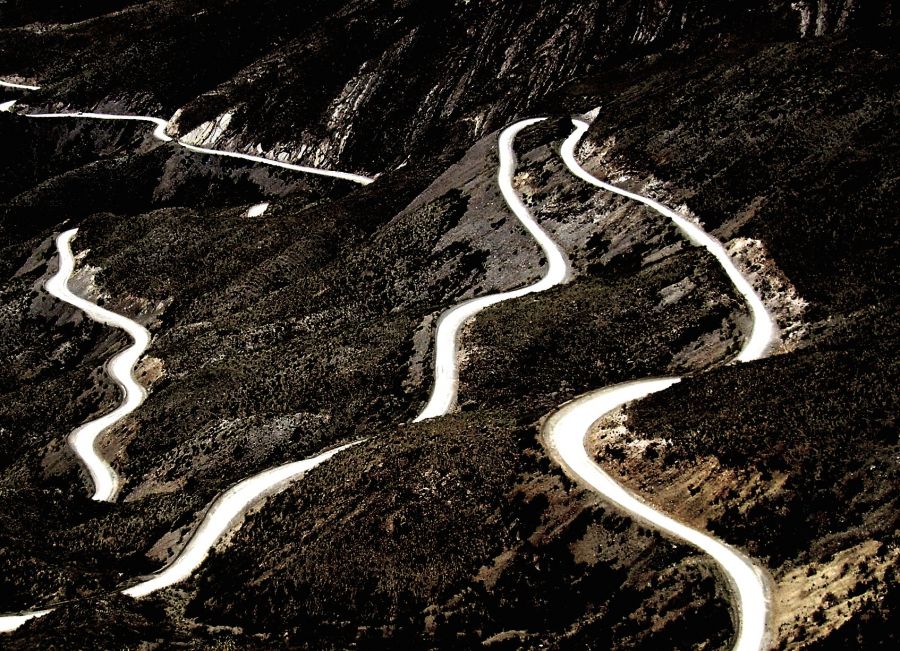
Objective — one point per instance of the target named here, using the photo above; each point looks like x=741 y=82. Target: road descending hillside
x=363 y=343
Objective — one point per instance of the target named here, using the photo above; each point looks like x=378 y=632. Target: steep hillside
x=278 y=336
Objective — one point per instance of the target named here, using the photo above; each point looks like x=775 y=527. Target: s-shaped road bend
x=120 y=368
x=565 y=430
x=229 y=506
x=446 y=343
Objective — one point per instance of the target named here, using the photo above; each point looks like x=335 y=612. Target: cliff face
x=315 y=84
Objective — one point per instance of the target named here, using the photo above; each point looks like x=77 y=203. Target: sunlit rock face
x=434 y=70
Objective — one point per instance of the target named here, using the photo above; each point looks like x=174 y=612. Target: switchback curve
x=120 y=368
x=446 y=340
x=565 y=430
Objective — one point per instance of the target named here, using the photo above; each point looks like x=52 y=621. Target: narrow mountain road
x=564 y=434
x=227 y=509
x=565 y=430
x=160 y=134
x=345 y=176
x=11 y=84
x=763 y=326
x=223 y=513
x=120 y=368
x=9 y=623
x=446 y=346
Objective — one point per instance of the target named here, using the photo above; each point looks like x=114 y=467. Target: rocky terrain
x=278 y=336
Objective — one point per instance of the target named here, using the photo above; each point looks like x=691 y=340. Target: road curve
x=565 y=430
x=159 y=132
x=222 y=513
x=120 y=368
x=564 y=434
x=763 y=325
x=446 y=344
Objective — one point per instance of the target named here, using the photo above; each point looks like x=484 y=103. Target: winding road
x=160 y=134
x=227 y=508
x=763 y=325
x=564 y=432
x=224 y=511
x=220 y=517
x=120 y=368
x=446 y=346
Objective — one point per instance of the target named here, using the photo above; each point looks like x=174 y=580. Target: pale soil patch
x=810 y=601
x=693 y=492
x=208 y=133
x=815 y=599
x=778 y=294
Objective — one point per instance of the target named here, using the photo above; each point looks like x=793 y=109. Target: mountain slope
x=277 y=336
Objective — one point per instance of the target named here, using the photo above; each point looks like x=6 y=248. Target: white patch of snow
x=258 y=209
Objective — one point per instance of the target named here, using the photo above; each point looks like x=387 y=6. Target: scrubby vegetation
x=279 y=336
